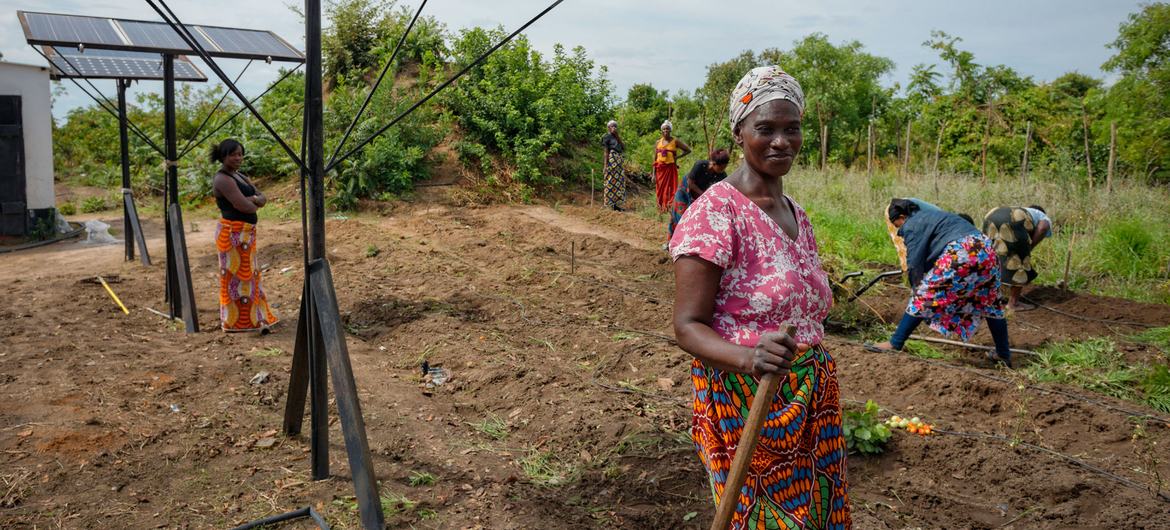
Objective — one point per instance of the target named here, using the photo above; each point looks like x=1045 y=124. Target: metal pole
x=315 y=161
x=124 y=138
x=170 y=180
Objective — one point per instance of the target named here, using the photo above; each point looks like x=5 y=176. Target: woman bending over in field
x=954 y=272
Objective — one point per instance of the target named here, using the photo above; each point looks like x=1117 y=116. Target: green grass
x=545 y=469
x=1159 y=337
x=1095 y=364
x=492 y=427
x=268 y=352
x=924 y=350
x=422 y=478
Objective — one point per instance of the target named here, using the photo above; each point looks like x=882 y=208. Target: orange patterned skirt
x=242 y=303
x=796 y=479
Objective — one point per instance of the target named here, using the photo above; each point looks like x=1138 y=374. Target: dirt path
x=568 y=404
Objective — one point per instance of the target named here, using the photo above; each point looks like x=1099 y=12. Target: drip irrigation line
x=1030 y=386
x=1088 y=319
x=438 y=89
x=113 y=112
x=1070 y=459
x=212 y=113
x=173 y=21
x=25 y=246
x=357 y=117
x=229 y=119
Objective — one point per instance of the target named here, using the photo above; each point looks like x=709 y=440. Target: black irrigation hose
x=73 y=233
x=377 y=83
x=303 y=512
x=1037 y=388
x=1072 y=460
x=438 y=89
x=1088 y=319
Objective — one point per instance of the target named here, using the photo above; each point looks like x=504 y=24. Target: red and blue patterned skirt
x=961 y=289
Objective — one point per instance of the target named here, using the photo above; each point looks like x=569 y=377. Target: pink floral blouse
x=769 y=281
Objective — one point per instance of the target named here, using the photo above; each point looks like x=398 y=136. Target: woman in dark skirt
x=955 y=274
x=1016 y=231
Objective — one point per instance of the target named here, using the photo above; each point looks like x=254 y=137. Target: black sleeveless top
x=230 y=212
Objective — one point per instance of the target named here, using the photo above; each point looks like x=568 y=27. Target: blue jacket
x=926 y=234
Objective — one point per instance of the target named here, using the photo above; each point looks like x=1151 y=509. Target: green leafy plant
x=422 y=478
x=68 y=209
x=864 y=432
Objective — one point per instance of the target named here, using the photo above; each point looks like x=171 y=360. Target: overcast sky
x=670 y=43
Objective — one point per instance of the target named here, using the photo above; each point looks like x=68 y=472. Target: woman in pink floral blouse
x=746 y=266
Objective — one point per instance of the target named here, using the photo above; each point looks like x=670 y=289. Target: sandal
x=996 y=360
x=871 y=347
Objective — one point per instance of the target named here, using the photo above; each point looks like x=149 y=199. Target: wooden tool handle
x=749 y=436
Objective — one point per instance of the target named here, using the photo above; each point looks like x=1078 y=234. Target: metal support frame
x=130 y=222
x=179 y=292
x=320 y=339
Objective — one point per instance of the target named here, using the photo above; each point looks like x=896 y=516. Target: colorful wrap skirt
x=665 y=184
x=796 y=479
x=682 y=200
x=615 y=180
x=1011 y=231
x=242 y=303
x=961 y=289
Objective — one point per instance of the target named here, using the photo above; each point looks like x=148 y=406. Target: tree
x=1139 y=99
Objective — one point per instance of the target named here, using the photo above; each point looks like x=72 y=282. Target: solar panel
x=71 y=31
x=116 y=64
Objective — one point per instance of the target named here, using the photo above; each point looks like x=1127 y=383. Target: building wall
x=31 y=83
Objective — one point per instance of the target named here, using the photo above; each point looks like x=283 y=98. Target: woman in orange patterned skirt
x=242 y=303
x=746 y=267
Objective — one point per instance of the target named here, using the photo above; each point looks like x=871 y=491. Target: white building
x=26 y=148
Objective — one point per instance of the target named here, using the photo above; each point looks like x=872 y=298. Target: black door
x=12 y=198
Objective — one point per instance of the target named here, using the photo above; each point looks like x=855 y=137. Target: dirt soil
x=567 y=407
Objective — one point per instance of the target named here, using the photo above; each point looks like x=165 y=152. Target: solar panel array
x=116 y=64
x=71 y=31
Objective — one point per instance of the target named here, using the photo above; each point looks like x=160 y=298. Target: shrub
x=93 y=204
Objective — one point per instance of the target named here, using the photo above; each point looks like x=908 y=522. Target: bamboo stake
x=729 y=501
x=966 y=345
x=1112 y=156
x=1088 y=153
x=573 y=257
x=1068 y=259
x=591 y=186
x=1027 y=143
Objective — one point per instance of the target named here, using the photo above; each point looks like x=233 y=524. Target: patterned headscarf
x=761 y=85
x=666 y=125
x=611 y=123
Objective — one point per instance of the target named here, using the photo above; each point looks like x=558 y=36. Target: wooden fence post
x=869 y=152
x=824 y=146
x=1027 y=143
x=1088 y=153
x=986 y=138
x=906 y=155
x=1112 y=156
